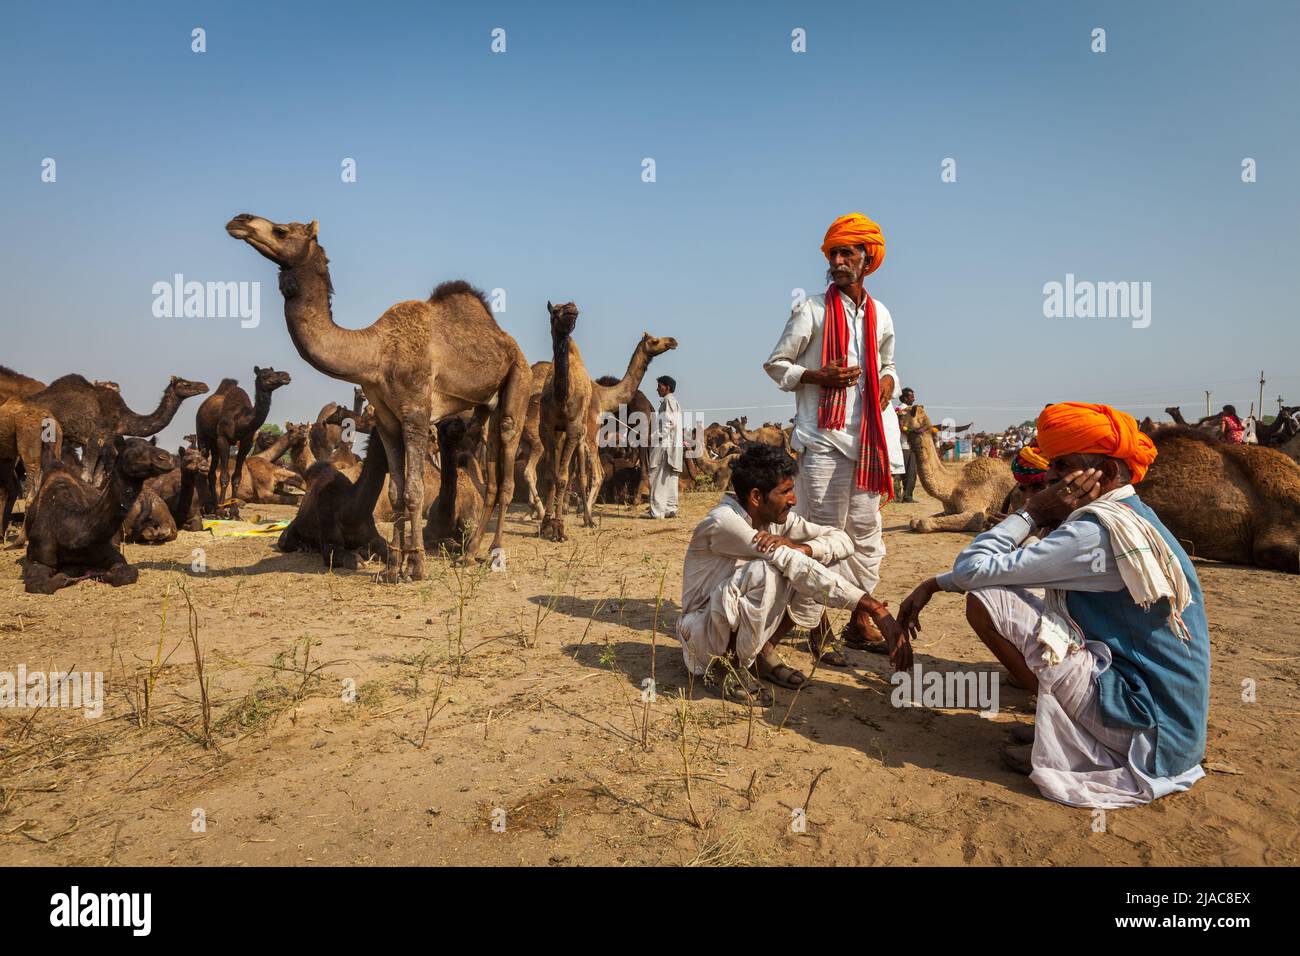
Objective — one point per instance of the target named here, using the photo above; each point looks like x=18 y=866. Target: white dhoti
x=751 y=603
x=1077 y=759
x=828 y=494
x=663 y=484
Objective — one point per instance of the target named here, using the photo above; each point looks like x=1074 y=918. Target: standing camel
x=228 y=418
x=420 y=362
x=563 y=425
x=93 y=415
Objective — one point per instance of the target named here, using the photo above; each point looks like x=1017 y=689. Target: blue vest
x=1156 y=680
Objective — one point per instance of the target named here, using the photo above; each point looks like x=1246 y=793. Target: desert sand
x=484 y=717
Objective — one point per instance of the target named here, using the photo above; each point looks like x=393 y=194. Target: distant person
x=836 y=354
x=907 y=398
x=1231 y=428
x=748 y=561
x=666 y=451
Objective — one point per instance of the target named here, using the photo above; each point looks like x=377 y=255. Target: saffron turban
x=1070 y=428
x=856 y=229
x=1029 y=467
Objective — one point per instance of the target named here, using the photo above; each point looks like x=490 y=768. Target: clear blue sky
x=522 y=171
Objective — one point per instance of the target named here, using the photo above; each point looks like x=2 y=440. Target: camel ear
x=314 y=228
x=175 y=379
x=256 y=370
x=548 y=305
x=153 y=440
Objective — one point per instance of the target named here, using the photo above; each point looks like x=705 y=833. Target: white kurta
x=666 y=459
x=729 y=586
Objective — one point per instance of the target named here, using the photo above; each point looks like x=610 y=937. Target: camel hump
x=445 y=290
x=70 y=379
x=226 y=385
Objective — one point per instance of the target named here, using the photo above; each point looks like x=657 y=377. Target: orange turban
x=1031 y=456
x=856 y=229
x=1070 y=428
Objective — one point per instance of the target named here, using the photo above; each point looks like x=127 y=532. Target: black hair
x=763 y=467
x=1231 y=410
x=669 y=381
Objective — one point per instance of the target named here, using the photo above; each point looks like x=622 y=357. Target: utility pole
x=1261 y=391
x=1207 y=403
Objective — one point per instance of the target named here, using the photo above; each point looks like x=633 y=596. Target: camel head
x=914 y=419
x=657 y=346
x=268 y=379
x=184 y=388
x=563 y=319
x=286 y=244
x=192 y=460
x=138 y=459
x=298 y=434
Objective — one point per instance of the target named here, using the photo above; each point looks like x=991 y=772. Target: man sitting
x=747 y=559
x=1117 y=646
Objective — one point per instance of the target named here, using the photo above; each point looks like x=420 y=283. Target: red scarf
x=872 y=472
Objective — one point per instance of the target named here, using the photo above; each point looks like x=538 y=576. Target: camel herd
x=457 y=418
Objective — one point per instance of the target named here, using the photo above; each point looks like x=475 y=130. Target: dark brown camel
x=336 y=517
x=15 y=383
x=92 y=415
x=228 y=418
x=456 y=512
x=73 y=527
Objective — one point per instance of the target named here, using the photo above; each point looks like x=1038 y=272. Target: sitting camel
x=148 y=521
x=73 y=527
x=1227 y=502
x=969 y=491
x=173 y=494
x=336 y=516
x=457 y=510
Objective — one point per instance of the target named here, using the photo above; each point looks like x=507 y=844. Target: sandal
x=825 y=652
x=873 y=642
x=738 y=686
x=782 y=674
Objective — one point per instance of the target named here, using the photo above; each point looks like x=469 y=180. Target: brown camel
x=148 y=521
x=167 y=503
x=768 y=434
x=15 y=383
x=969 y=492
x=227 y=418
x=422 y=361
x=455 y=513
x=24 y=428
x=336 y=516
x=718 y=470
x=92 y=415
x=566 y=400
x=1227 y=502
x=73 y=527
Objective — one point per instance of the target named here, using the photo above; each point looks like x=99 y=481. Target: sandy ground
x=516 y=698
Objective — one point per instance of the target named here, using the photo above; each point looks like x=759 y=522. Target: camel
x=24 y=428
x=717 y=469
x=420 y=362
x=91 y=415
x=768 y=434
x=336 y=516
x=969 y=492
x=73 y=526
x=1226 y=502
x=227 y=418
x=455 y=513
x=637 y=410
x=565 y=403
x=15 y=383
x=167 y=503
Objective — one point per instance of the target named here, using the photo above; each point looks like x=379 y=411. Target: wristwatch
x=1024 y=513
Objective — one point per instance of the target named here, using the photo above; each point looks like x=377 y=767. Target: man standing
x=837 y=355
x=747 y=560
x=907 y=398
x=666 y=452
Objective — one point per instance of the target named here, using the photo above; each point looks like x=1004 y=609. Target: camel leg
x=119 y=572
x=594 y=473
x=415 y=435
x=966 y=521
x=8 y=493
x=241 y=452
x=222 y=454
x=1276 y=549
x=396 y=454
x=503 y=447
x=530 y=478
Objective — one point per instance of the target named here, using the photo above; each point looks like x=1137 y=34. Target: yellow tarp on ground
x=242 y=529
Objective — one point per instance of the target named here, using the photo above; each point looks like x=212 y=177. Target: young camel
x=73 y=527
x=228 y=418
x=563 y=424
x=969 y=492
x=421 y=362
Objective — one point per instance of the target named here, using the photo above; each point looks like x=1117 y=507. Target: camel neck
x=351 y=355
x=145 y=425
x=935 y=479
x=115 y=502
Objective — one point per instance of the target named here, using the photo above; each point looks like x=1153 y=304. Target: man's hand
x=900 y=646
x=1054 y=503
x=886 y=390
x=766 y=543
x=909 y=613
x=834 y=375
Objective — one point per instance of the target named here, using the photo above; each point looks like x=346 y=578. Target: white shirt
x=800 y=349
x=668 y=432
x=724 y=540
